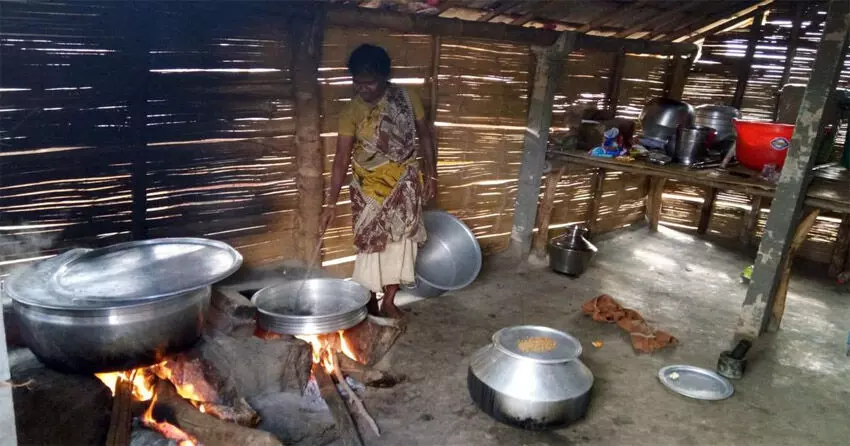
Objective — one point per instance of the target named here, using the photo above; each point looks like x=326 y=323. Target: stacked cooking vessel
x=120 y=307
x=685 y=133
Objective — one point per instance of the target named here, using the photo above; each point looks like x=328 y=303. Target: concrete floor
x=794 y=393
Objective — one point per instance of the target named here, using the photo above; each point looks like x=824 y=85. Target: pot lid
x=695 y=382
x=144 y=270
x=124 y=274
x=540 y=344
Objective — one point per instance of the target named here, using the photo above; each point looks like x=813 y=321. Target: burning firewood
x=120 y=422
x=345 y=426
x=371 y=340
x=354 y=402
x=209 y=430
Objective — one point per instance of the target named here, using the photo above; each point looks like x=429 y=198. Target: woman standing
x=378 y=132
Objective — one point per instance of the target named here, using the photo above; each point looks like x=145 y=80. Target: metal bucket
x=450 y=258
x=569 y=256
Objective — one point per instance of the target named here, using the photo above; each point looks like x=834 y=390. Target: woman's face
x=370 y=87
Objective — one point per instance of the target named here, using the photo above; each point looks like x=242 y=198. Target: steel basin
x=102 y=340
x=130 y=306
x=312 y=306
x=527 y=391
x=450 y=259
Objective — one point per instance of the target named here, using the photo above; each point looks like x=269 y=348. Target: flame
x=186 y=390
x=142 y=379
x=345 y=348
x=326 y=346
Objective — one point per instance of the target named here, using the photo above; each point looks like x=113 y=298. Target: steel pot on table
x=120 y=307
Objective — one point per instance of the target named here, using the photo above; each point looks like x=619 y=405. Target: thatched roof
x=664 y=20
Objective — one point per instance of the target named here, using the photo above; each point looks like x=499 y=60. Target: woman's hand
x=327 y=217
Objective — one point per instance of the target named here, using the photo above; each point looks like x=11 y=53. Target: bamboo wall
x=200 y=111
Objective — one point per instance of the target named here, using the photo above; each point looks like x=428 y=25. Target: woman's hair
x=369 y=59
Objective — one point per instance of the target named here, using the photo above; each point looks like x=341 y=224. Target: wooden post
x=435 y=75
x=306 y=35
x=595 y=201
x=796 y=174
x=705 y=211
x=746 y=63
x=653 y=201
x=616 y=79
x=750 y=222
x=840 y=248
x=778 y=308
x=544 y=212
x=137 y=22
x=678 y=75
x=546 y=77
x=7 y=409
x=793 y=41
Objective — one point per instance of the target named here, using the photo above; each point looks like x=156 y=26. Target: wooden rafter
x=504 y=8
x=710 y=14
x=738 y=17
x=602 y=17
x=535 y=12
x=667 y=17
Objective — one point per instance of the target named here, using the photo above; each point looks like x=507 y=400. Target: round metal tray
x=324 y=306
x=144 y=270
x=695 y=382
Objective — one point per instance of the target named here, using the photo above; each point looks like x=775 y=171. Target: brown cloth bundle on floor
x=644 y=338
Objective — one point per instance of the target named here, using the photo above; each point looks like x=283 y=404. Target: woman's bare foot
x=388 y=307
x=372 y=307
x=391 y=311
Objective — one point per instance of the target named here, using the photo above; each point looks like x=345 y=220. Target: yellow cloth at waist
x=379 y=182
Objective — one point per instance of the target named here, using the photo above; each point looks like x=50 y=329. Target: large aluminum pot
x=661 y=118
x=718 y=117
x=450 y=258
x=531 y=377
x=102 y=340
x=124 y=306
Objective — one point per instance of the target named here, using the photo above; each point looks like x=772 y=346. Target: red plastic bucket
x=762 y=143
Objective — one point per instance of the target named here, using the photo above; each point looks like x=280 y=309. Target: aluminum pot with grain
x=119 y=307
x=531 y=377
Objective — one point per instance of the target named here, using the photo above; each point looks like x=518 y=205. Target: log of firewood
x=373 y=339
x=348 y=434
x=208 y=429
x=368 y=375
x=120 y=421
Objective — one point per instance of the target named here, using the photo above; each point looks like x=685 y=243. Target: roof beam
x=602 y=18
x=427 y=24
x=708 y=16
x=535 y=12
x=737 y=17
x=502 y=9
x=649 y=25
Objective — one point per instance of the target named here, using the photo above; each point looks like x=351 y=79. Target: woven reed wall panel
x=482 y=111
x=643 y=79
x=218 y=125
x=412 y=59
x=623 y=200
x=221 y=129
x=64 y=176
x=584 y=84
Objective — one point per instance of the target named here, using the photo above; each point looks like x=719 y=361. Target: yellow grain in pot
x=536 y=344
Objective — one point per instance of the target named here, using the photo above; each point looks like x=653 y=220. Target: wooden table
x=829 y=191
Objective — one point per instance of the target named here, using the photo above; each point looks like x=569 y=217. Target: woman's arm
x=426 y=151
x=342 y=158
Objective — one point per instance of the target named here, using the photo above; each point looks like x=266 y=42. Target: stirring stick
x=310 y=265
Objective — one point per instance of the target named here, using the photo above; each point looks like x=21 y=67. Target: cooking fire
x=143 y=381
